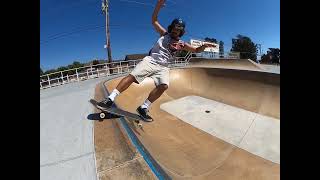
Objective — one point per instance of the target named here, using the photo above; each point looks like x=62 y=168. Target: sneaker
x=105 y=104
x=143 y=112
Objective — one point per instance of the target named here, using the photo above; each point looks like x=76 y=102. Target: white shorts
x=147 y=68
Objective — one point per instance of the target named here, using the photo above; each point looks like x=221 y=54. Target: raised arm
x=188 y=47
x=155 y=21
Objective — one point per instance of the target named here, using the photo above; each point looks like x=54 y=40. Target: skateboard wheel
x=102 y=115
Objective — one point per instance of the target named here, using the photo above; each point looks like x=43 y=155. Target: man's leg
x=157 y=92
x=122 y=86
x=161 y=80
x=125 y=83
x=138 y=74
x=153 y=96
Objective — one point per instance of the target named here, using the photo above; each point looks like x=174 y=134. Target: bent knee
x=163 y=87
x=132 y=78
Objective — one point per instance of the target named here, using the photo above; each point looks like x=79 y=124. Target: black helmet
x=179 y=24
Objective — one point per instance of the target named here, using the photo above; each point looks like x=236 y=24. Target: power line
x=75 y=29
x=88 y=27
x=116 y=26
x=172 y=1
x=148 y=4
x=136 y=2
x=64 y=7
x=113 y=26
x=70 y=33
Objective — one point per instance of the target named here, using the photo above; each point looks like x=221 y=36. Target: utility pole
x=259 y=47
x=105 y=10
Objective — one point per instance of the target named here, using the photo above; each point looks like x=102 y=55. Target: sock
x=146 y=104
x=114 y=94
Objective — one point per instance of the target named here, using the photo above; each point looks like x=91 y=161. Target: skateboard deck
x=117 y=111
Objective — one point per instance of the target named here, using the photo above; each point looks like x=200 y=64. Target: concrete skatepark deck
x=186 y=150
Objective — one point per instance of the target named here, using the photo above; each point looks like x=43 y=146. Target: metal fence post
x=107 y=72
x=77 y=75
x=49 y=80
x=87 y=74
x=68 y=78
x=61 y=78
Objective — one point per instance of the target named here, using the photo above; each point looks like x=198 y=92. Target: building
x=135 y=56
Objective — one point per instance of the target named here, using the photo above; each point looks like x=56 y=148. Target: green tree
x=213 y=40
x=62 y=68
x=70 y=66
x=102 y=61
x=50 y=71
x=275 y=55
x=77 y=64
x=265 y=59
x=95 y=62
x=272 y=56
x=244 y=45
x=74 y=65
x=41 y=72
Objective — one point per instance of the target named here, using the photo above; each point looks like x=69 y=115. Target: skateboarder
x=155 y=65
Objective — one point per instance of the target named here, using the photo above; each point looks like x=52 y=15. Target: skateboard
x=118 y=112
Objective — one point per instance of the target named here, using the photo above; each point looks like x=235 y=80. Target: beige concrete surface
x=187 y=152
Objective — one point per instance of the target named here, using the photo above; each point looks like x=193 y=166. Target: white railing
x=211 y=55
x=94 y=71
x=107 y=69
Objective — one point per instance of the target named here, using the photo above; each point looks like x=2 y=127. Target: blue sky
x=73 y=30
